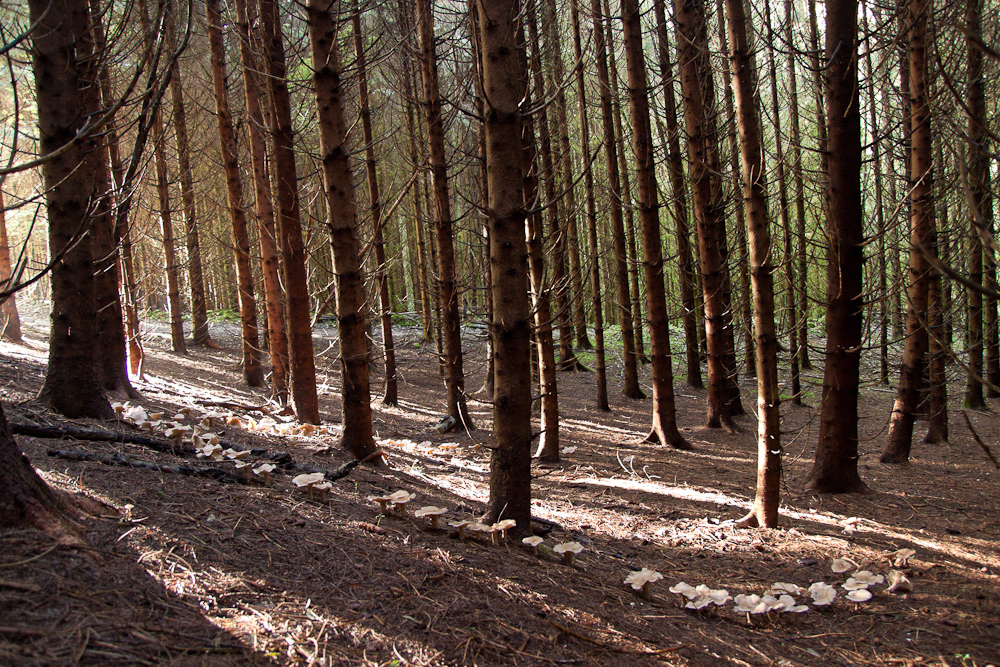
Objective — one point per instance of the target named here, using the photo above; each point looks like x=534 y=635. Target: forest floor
x=190 y=571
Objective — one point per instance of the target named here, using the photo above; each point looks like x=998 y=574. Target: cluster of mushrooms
x=781 y=596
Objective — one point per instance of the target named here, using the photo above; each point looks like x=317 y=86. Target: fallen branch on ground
x=217 y=474
x=979 y=440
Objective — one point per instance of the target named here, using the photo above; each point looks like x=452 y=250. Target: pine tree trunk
x=448 y=288
x=270 y=254
x=835 y=468
x=10 y=327
x=302 y=363
x=664 y=427
x=253 y=373
x=504 y=84
x=630 y=386
x=798 y=196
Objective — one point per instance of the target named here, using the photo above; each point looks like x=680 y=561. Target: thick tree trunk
x=699 y=95
x=10 y=326
x=835 y=469
x=451 y=323
x=768 y=496
x=391 y=396
x=504 y=84
x=270 y=254
x=253 y=373
x=61 y=59
x=675 y=162
x=302 y=363
x=588 y=182
x=342 y=223
x=664 y=427
x=630 y=386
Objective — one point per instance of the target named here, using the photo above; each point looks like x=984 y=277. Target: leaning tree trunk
x=588 y=182
x=451 y=322
x=630 y=380
x=270 y=254
x=835 y=469
x=341 y=219
x=253 y=373
x=302 y=363
x=10 y=326
x=391 y=396
x=900 y=437
x=764 y=511
x=504 y=83
x=664 y=427
x=64 y=77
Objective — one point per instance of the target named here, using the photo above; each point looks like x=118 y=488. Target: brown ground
x=202 y=572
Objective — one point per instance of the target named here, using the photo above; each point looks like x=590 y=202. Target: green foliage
x=223 y=315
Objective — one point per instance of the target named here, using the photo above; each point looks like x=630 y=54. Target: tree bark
x=798 y=196
x=835 y=468
x=449 y=295
x=664 y=427
x=504 y=84
x=341 y=220
x=10 y=327
x=302 y=363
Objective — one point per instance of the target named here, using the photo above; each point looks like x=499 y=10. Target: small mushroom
x=136 y=415
x=822 y=593
x=901 y=557
x=236 y=454
x=119 y=409
x=180 y=416
x=318 y=490
x=461 y=524
x=306 y=429
x=898 y=583
x=383 y=503
x=501 y=528
x=155 y=416
x=434 y=513
x=264 y=470
x=641 y=580
x=746 y=604
x=783 y=588
x=532 y=541
x=567 y=550
x=400 y=499
x=234 y=421
x=243 y=469
x=306 y=480
x=209 y=451
x=841 y=565
x=685 y=589
x=860 y=595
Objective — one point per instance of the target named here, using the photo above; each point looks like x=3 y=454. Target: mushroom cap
x=699 y=602
x=506 y=524
x=866 y=577
x=308 y=479
x=841 y=565
x=571 y=547
x=237 y=454
x=460 y=523
x=746 y=603
x=787 y=602
x=639 y=578
x=901 y=556
x=767 y=603
x=240 y=465
x=822 y=593
x=720 y=596
x=264 y=467
x=430 y=510
x=684 y=589
x=568 y=450
x=898 y=582
x=853 y=584
x=532 y=540
x=782 y=588
x=860 y=595
x=478 y=527
x=402 y=496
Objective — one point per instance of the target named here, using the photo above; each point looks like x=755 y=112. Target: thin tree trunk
x=449 y=293
x=10 y=327
x=979 y=193
x=504 y=83
x=835 y=468
x=302 y=363
x=630 y=387
x=270 y=254
x=664 y=427
x=798 y=196
x=341 y=220
x=391 y=396
x=253 y=373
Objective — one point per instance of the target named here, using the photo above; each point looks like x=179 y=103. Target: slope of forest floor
x=190 y=570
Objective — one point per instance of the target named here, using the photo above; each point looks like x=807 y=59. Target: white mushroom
x=860 y=595
x=501 y=527
x=782 y=588
x=306 y=480
x=746 y=604
x=400 y=499
x=383 y=503
x=841 y=565
x=822 y=593
x=236 y=454
x=684 y=589
x=532 y=541
x=434 y=513
x=567 y=550
x=461 y=524
x=868 y=578
x=243 y=469
x=901 y=557
x=319 y=490
x=264 y=470
x=720 y=596
x=642 y=579
x=898 y=583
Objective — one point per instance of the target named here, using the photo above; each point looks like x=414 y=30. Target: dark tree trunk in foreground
x=61 y=49
x=391 y=396
x=630 y=386
x=764 y=512
x=270 y=254
x=341 y=212
x=253 y=373
x=835 y=469
x=10 y=321
x=703 y=147
x=302 y=363
x=664 y=427
x=504 y=83
x=911 y=377
x=448 y=288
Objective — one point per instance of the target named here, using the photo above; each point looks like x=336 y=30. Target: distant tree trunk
x=11 y=324
x=302 y=363
x=61 y=62
x=378 y=241
x=699 y=95
x=196 y=280
x=764 y=511
x=675 y=162
x=451 y=323
x=900 y=436
x=630 y=379
x=937 y=427
x=978 y=174
x=835 y=469
x=342 y=223
x=664 y=427
x=588 y=181
x=504 y=83
x=253 y=374
x=798 y=196
x=270 y=254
